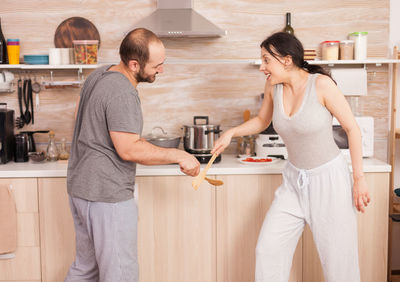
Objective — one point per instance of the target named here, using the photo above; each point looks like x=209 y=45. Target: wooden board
x=75 y=28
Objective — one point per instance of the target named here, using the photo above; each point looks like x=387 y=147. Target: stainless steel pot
x=163 y=140
x=199 y=138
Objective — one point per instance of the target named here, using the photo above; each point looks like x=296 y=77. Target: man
x=105 y=149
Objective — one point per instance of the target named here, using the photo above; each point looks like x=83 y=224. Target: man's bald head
x=135 y=46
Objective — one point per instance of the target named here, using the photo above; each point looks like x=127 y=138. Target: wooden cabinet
x=57 y=235
x=242 y=203
x=177 y=234
x=26 y=264
x=209 y=234
x=372 y=236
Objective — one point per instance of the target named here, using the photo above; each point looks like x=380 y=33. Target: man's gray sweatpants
x=106 y=241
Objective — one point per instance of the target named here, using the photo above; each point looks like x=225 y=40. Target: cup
x=13 y=51
x=55 y=56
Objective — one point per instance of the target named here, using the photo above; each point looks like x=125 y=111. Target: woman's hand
x=222 y=142
x=360 y=194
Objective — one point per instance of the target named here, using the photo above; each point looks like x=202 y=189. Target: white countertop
x=228 y=165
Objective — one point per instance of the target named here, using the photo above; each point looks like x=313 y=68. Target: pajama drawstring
x=302 y=179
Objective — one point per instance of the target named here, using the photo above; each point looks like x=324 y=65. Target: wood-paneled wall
x=218 y=89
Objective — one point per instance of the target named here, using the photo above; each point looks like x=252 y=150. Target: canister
x=13 y=51
x=346 y=50
x=360 y=44
x=330 y=50
x=85 y=51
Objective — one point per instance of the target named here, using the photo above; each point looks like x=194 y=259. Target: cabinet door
x=176 y=230
x=372 y=236
x=26 y=264
x=242 y=203
x=57 y=235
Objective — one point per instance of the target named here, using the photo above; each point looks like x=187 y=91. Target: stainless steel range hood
x=176 y=18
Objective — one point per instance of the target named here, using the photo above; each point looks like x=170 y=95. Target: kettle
x=31 y=140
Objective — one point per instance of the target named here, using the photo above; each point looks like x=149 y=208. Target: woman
x=300 y=99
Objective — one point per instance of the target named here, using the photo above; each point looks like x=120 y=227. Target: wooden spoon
x=199 y=178
x=246 y=115
x=214 y=182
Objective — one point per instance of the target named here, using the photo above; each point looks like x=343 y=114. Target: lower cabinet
x=204 y=235
x=25 y=266
x=57 y=235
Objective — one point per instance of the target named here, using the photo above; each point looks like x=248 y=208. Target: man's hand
x=189 y=164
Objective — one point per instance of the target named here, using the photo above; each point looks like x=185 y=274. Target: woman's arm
x=333 y=99
x=252 y=126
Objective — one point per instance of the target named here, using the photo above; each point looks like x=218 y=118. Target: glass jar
x=52 y=150
x=360 y=44
x=64 y=155
x=85 y=51
x=330 y=50
x=346 y=49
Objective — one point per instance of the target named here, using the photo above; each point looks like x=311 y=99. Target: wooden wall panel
x=221 y=90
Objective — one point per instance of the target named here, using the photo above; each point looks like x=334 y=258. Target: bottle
x=288 y=28
x=3 y=48
x=52 y=151
x=64 y=155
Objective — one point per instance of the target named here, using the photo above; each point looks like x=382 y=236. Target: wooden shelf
x=370 y=61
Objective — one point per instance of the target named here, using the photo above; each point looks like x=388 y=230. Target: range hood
x=176 y=18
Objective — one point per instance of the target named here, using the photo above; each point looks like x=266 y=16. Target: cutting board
x=75 y=28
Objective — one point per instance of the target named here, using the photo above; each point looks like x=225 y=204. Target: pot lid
x=160 y=136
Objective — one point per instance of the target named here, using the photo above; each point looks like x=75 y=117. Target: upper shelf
x=47 y=67
x=372 y=61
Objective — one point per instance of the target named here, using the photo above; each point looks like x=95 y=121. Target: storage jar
x=85 y=51
x=346 y=49
x=360 y=44
x=330 y=50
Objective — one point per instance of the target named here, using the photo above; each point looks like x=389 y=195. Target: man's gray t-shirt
x=108 y=102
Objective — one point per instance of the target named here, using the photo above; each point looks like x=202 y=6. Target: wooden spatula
x=199 y=178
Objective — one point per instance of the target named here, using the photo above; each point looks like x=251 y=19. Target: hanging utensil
x=36 y=90
x=31 y=99
x=19 y=122
x=27 y=113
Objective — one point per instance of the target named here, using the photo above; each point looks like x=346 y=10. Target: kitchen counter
x=229 y=165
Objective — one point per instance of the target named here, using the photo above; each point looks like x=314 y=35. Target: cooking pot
x=199 y=138
x=163 y=139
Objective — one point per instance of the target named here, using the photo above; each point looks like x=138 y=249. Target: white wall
x=394 y=39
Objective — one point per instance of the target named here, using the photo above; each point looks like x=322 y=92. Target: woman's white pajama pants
x=322 y=198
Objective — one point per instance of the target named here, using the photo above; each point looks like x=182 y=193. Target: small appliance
x=270 y=144
x=7 y=141
x=366 y=125
x=198 y=139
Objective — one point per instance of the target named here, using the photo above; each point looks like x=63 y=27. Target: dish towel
x=8 y=222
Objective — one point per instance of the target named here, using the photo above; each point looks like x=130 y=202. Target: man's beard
x=142 y=77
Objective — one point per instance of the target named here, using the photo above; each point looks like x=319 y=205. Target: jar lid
x=347 y=42
x=330 y=41
x=85 y=41
x=359 y=33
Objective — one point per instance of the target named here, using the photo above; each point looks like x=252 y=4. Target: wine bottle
x=288 y=28
x=3 y=48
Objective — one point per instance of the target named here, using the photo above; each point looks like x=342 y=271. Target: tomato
x=257 y=160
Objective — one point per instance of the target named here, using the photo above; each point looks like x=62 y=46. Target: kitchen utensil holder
x=63 y=84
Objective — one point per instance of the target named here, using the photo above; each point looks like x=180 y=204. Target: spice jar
x=64 y=155
x=360 y=44
x=330 y=50
x=346 y=49
x=85 y=51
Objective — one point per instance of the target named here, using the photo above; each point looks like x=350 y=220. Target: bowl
x=37 y=157
x=36 y=59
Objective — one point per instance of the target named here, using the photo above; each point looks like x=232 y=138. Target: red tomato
x=257 y=160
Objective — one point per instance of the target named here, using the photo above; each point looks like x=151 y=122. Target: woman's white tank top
x=307 y=133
